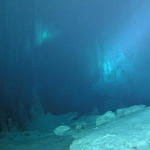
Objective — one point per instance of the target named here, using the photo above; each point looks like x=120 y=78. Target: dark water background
x=50 y=50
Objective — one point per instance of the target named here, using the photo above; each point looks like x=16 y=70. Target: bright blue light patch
x=42 y=36
x=113 y=66
x=107 y=68
x=44 y=33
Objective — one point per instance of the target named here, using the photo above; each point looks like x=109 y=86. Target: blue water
x=72 y=56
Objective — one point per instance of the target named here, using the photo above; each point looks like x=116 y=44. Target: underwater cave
x=74 y=75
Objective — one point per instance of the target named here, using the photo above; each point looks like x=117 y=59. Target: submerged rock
x=108 y=116
x=126 y=111
x=61 y=130
x=131 y=132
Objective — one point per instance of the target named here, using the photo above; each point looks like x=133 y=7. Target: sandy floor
x=40 y=141
x=128 y=130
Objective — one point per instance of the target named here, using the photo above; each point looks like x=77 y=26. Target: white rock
x=126 y=111
x=61 y=130
x=105 y=118
x=125 y=133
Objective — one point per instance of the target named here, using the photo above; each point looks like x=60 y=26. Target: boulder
x=61 y=130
